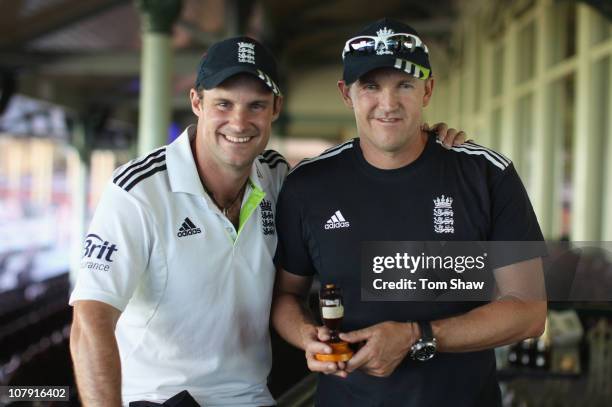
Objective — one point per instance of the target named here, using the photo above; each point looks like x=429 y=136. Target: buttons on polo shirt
x=227 y=225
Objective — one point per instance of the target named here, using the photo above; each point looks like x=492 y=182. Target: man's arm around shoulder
x=95 y=353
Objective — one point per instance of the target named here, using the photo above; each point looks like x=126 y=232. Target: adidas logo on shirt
x=337 y=221
x=188 y=229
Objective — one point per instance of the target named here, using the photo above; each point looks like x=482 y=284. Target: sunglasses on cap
x=383 y=44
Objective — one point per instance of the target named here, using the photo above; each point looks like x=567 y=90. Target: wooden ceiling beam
x=23 y=30
x=10 y=12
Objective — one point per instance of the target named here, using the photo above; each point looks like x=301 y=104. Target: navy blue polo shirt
x=331 y=203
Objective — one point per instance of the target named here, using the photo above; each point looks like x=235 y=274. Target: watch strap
x=426 y=330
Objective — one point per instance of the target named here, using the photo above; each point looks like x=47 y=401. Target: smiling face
x=388 y=106
x=234 y=121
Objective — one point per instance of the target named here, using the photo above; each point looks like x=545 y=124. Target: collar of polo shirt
x=183 y=175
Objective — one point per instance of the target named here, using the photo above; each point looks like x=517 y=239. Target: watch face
x=423 y=351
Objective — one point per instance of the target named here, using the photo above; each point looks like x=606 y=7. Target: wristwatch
x=425 y=347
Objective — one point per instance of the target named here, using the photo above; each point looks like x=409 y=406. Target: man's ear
x=277 y=107
x=429 y=85
x=345 y=92
x=196 y=101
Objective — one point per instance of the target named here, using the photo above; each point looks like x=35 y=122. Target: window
x=526 y=52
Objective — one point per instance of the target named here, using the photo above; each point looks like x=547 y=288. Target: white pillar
x=41 y=154
x=607 y=198
x=544 y=141
x=509 y=144
x=15 y=166
x=77 y=172
x=586 y=178
x=468 y=113
x=155 y=92
x=487 y=88
x=102 y=166
x=454 y=94
x=156 y=72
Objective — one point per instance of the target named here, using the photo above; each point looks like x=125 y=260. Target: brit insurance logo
x=267 y=217
x=337 y=221
x=443 y=215
x=188 y=228
x=97 y=253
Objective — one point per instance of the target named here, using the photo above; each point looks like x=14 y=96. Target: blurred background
x=87 y=85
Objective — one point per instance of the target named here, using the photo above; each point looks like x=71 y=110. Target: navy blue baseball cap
x=237 y=55
x=385 y=43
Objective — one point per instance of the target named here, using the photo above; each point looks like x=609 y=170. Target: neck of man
x=393 y=159
x=223 y=183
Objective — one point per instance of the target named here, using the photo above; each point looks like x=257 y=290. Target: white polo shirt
x=195 y=293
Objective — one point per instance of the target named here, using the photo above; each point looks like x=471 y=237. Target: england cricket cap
x=385 y=43
x=237 y=55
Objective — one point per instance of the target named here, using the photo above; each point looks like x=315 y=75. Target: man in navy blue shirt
x=396 y=183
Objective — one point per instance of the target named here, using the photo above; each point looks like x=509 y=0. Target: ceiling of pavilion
x=92 y=48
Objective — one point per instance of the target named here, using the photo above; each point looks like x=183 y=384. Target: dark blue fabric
x=489 y=203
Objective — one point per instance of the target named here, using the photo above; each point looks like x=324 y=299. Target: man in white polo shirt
x=181 y=248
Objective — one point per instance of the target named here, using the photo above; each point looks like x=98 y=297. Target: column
x=544 y=143
x=15 y=166
x=487 y=83
x=157 y=18
x=586 y=182
x=468 y=115
x=102 y=166
x=41 y=153
x=77 y=163
x=607 y=198
x=509 y=138
x=454 y=93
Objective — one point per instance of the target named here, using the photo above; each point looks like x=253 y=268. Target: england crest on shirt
x=267 y=217
x=443 y=215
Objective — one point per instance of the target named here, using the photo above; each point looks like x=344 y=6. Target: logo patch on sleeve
x=98 y=253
